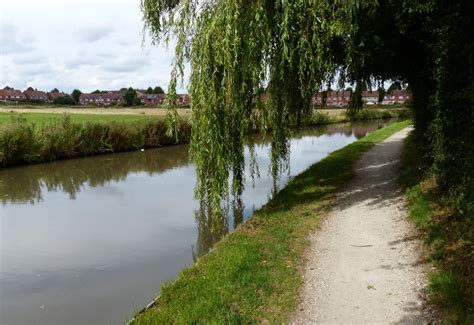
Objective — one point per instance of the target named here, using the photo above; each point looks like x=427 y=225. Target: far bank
x=27 y=137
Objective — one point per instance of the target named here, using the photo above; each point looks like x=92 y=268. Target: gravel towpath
x=364 y=264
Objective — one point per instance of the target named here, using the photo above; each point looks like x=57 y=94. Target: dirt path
x=364 y=264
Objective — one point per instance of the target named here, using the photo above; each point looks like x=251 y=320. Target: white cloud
x=95 y=34
x=85 y=44
x=11 y=40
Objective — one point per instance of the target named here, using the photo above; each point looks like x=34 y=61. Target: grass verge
x=253 y=275
x=448 y=237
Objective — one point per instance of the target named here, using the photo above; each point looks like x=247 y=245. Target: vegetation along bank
x=253 y=275
x=36 y=138
x=22 y=142
x=447 y=233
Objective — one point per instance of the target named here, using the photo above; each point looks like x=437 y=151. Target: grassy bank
x=449 y=238
x=22 y=142
x=42 y=137
x=323 y=117
x=253 y=275
x=40 y=118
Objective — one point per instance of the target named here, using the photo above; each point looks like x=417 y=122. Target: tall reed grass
x=22 y=142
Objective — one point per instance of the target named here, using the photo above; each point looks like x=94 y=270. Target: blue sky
x=84 y=44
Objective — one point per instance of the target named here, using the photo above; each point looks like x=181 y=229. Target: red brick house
x=36 y=95
x=317 y=99
x=396 y=97
x=104 y=99
x=370 y=97
x=338 y=98
x=152 y=99
x=334 y=98
x=10 y=94
x=52 y=95
x=183 y=99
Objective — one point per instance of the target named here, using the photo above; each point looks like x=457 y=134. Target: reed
x=22 y=142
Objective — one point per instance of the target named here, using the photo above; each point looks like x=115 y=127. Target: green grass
x=253 y=275
x=39 y=118
x=316 y=119
x=449 y=238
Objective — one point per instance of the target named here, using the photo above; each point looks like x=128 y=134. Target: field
x=38 y=114
x=44 y=113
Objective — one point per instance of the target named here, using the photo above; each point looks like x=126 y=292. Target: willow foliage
x=243 y=53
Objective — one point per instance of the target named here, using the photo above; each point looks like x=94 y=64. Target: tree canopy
x=382 y=92
x=76 y=94
x=396 y=85
x=64 y=100
x=158 y=90
x=130 y=97
x=236 y=48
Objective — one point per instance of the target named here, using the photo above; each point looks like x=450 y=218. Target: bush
x=319 y=119
x=64 y=100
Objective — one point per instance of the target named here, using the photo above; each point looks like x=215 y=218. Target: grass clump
x=15 y=142
x=253 y=275
x=22 y=142
x=448 y=236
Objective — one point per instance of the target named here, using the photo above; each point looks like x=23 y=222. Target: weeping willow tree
x=241 y=53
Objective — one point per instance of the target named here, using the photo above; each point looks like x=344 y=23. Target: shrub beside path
x=364 y=265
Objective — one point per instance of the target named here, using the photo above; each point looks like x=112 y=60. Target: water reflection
x=90 y=241
x=25 y=184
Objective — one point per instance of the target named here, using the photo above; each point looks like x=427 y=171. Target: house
x=152 y=99
x=10 y=94
x=396 y=97
x=52 y=95
x=35 y=95
x=102 y=99
x=370 y=97
x=317 y=99
x=183 y=99
x=333 y=98
x=338 y=98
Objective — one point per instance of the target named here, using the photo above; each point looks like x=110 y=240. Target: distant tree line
x=130 y=96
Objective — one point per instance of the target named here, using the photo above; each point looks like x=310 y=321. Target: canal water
x=90 y=241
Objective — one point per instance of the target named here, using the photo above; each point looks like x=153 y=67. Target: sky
x=83 y=44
